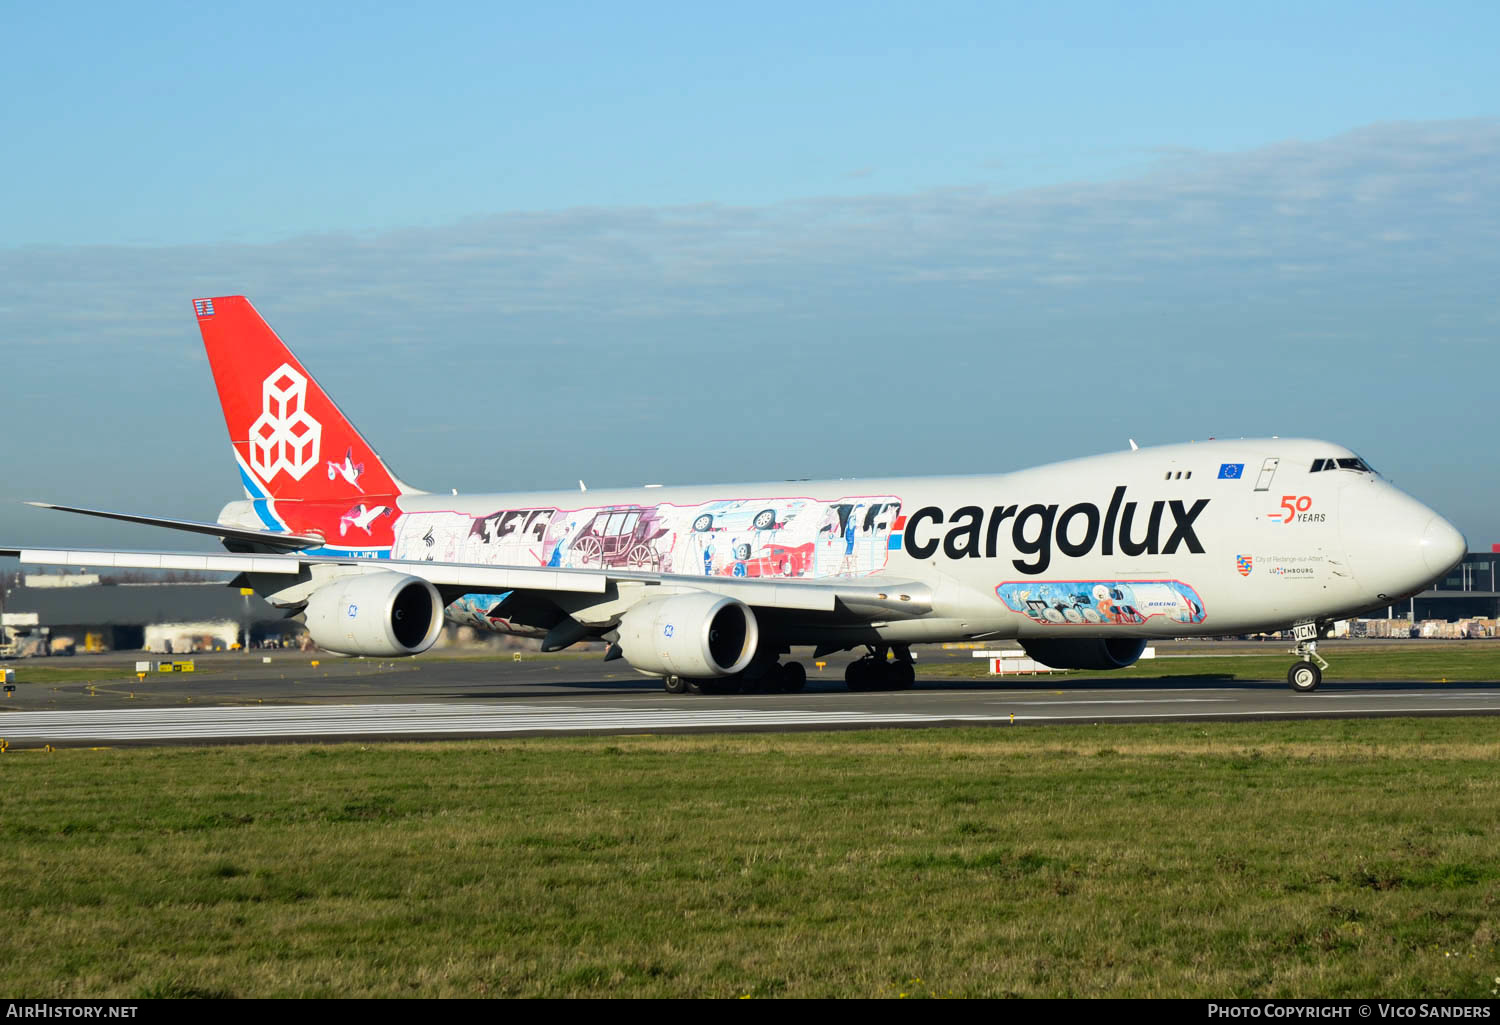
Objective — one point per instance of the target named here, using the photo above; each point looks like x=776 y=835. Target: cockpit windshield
x=1341 y=463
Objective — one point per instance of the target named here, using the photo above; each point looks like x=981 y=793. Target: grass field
x=1424 y=661
x=1428 y=663
x=1322 y=858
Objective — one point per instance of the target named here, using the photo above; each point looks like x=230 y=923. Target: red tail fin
x=290 y=440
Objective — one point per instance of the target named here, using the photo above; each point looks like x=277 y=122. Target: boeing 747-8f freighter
x=1081 y=562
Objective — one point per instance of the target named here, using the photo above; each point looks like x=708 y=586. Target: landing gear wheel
x=1304 y=677
x=795 y=679
x=904 y=674
x=774 y=680
x=858 y=675
x=874 y=674
x=675 y=685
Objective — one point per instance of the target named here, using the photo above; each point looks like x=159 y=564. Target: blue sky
x=168 y=123
x=643 y=242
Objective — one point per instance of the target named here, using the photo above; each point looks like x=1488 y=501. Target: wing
x=883 y=598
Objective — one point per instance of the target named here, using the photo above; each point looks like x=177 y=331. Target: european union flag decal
x=1231 y=471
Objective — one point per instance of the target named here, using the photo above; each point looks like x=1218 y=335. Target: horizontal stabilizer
x=265 y=538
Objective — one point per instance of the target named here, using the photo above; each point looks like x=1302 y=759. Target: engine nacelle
x=697 y=635
x=1086 y=652
x=384 y=614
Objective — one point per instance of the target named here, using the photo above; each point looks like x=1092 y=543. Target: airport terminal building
x=67 y=613
x=1470 y=591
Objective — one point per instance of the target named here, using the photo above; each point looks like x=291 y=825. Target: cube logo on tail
x=285 y=437
x=282 y=424
x=286 y=431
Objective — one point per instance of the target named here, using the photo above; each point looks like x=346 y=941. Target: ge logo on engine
x=353 y=611
x=284 y=437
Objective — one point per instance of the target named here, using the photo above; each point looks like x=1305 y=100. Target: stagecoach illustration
x=620 y=538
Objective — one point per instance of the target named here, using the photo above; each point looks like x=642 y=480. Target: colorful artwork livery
x=1102 y=602
x=757 y=537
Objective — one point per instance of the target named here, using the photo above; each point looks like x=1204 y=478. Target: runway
x=236 y=698
x=243 y=701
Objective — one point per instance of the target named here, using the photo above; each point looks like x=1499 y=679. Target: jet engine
x=384 y=614
x=1086 y=652
x=695 y=636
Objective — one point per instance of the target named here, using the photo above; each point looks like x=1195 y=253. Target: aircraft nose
x=1395 y=544
x=1442 y=546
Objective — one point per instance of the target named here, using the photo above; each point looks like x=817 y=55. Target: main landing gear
x=1305 y=676
x=776 y=678
x=876 y=672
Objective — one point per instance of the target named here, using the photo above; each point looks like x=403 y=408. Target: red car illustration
x=775 y=561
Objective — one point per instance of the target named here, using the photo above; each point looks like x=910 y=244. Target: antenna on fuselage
x=1133 y=445
x=582 y=486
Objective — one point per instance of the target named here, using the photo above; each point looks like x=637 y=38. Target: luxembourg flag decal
x=897 y=530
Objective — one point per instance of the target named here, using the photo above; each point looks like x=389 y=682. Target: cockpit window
x=1345 y=463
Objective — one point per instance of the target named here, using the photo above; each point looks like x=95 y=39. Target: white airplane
x=1080 y=562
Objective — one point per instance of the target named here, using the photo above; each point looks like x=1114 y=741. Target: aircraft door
x=1267 y=471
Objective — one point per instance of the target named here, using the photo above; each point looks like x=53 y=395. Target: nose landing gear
x=1305 y=675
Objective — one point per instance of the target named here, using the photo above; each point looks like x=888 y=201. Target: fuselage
x=1209 y=538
